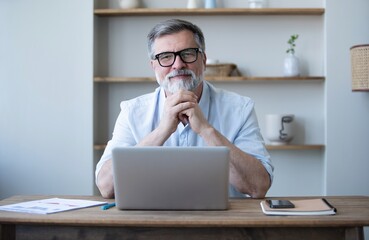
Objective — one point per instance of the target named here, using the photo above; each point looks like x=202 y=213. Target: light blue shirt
x=231 y=114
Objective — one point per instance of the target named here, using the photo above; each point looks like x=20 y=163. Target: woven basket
x=360 y=67
x=220 y=69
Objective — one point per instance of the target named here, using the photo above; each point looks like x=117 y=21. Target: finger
x=173 y=112
x=180 y=97
x=183 y=107
x=183 y=118
x=188 y=95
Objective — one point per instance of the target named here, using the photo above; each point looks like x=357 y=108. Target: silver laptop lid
x=171 y=178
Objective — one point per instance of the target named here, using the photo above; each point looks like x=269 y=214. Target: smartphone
x=280 y=204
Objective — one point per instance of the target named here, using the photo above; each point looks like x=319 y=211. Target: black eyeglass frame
x=198 y=50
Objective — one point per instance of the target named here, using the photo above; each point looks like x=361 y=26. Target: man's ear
x=152 y=64
x=204 y=60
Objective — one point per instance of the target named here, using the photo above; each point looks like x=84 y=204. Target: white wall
x=46 y=97
x=347 y=114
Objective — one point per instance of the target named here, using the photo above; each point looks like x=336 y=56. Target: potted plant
x=291 y=62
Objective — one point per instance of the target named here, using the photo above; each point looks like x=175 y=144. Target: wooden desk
x=244 y=220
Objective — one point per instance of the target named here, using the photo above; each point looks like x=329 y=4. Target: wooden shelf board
x=211 y=79
x=203 y=11
x=295 y=147
x=123 y=79
x=101 y=147
x=277 y=78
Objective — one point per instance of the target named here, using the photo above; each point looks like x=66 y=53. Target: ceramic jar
x=129 y=3
x=279 y=128
x=257 y=3
x=193 y=4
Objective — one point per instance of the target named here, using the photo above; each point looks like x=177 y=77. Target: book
x=305 y=207
x=51 y=205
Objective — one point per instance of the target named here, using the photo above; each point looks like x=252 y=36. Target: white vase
x=291 y=66
x=129 y=3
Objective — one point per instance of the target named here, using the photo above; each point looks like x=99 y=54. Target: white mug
x=279 y=128
x=129 y=3
x=257 y=3
x=193 y=4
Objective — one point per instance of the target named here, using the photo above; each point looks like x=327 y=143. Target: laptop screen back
x=171 y=178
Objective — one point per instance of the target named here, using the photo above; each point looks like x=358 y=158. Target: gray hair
x=173 y=26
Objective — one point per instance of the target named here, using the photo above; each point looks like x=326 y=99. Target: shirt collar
x=205 y=100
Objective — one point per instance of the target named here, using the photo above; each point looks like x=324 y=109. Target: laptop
x=171 y=178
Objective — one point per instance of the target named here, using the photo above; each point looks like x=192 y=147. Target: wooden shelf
x=123 y=79
x=203 y=11
x=101 y=147
x=211 y=79
x=295 y=147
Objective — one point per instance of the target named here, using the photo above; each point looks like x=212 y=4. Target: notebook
x=171 y=178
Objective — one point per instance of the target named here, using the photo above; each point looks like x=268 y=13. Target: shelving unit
x=148 y=12
x=211 y=79
x=101 y=147
x=295 y=147
x=208 y=12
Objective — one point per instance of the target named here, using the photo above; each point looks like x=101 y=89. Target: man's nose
x=178 y=63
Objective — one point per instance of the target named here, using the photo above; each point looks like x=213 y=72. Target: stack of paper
x=318 y=206
x=51 y=205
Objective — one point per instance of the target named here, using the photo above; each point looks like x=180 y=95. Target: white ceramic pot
x=193 y=4
x=279 y=128
x=257 y=3
x=291 y=66
x=129 y=3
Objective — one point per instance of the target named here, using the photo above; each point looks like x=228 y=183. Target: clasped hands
x=183 y=106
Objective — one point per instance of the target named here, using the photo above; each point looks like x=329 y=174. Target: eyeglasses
x=188 y=55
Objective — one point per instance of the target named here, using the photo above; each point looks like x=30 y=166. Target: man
x=188 y=111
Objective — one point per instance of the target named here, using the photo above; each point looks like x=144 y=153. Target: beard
x=180 y=84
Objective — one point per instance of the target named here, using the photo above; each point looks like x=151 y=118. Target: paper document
x=51 y=205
